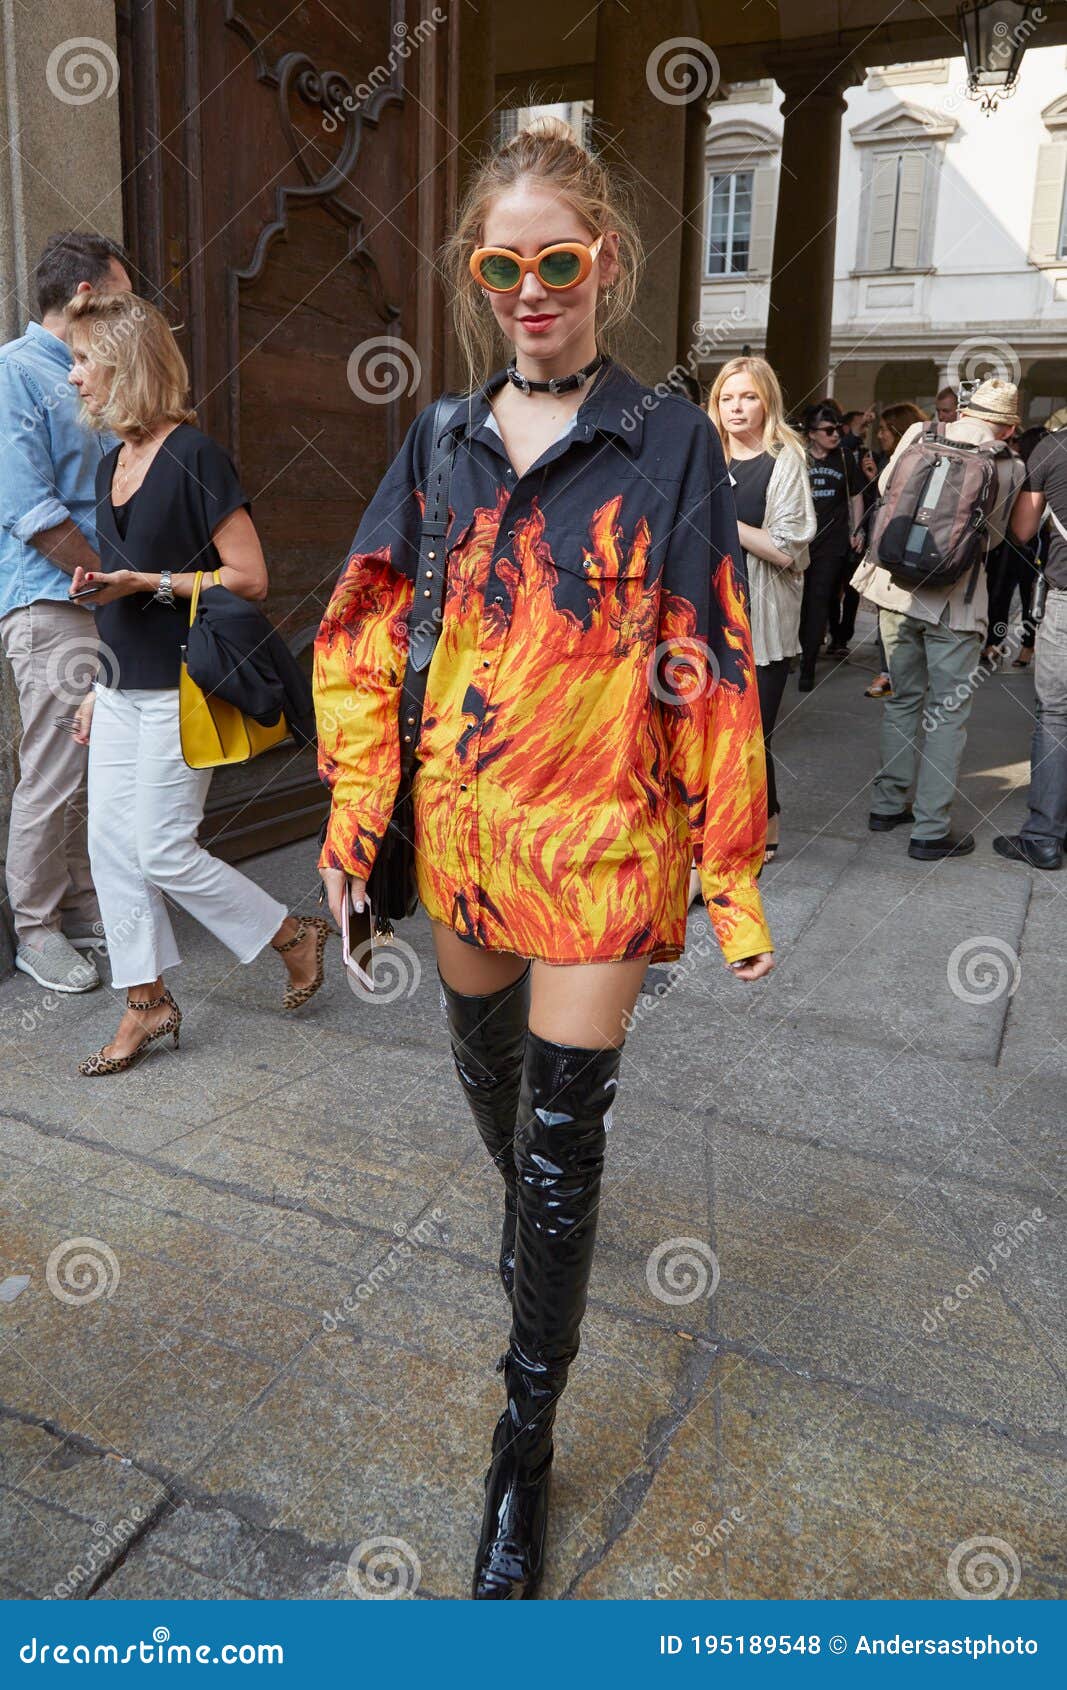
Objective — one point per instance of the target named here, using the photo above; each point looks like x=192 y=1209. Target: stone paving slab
x=67 y=1517
x=836 y=1496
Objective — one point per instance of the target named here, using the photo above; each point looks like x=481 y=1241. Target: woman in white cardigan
x=775 y=520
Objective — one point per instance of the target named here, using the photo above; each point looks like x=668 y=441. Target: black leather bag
x=391 y=885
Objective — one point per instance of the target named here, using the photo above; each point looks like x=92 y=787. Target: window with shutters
x=895 y=206
x=742 y=184
x=1048 y=221
x=901 y=150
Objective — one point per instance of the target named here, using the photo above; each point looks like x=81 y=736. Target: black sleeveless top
x=191 y=485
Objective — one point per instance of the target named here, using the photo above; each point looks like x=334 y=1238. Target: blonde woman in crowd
x=775 y=521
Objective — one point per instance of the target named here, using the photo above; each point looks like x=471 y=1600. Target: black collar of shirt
x=614 y=406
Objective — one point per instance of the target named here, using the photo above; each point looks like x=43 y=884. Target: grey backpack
x=932 y=523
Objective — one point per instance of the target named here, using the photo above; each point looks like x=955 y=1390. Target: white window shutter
x=909 y=211
x=881 y=207
x=761 y=241
x=1048 y=200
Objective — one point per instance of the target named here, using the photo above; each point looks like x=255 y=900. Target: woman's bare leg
x=587 y=1004
x=469 y=969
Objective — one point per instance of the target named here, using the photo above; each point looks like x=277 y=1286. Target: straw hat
x=994 y=401
x=1058 y=419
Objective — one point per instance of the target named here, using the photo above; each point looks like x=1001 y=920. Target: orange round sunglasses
x=561 y=266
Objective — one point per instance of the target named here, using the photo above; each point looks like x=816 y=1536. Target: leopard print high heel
x=296 y=995
x=97 y=1064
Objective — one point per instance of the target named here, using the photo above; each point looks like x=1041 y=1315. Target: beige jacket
x=775 y=591
x=929 y=605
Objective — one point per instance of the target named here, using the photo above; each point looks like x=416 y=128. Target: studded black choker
x=558 y=384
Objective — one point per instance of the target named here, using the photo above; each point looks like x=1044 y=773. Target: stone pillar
x=61 y=169
x=640 y=102
x=690 y=290
x=802 y=272
x=476 y=115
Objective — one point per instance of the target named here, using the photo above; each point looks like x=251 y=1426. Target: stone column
x=802 y=278
x=642 y=90
x=61 y=169
x=690 y=292
x=476 y=120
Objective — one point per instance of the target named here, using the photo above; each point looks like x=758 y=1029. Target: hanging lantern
x=995 y=34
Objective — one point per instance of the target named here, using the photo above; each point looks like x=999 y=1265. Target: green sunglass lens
x=559 y=269
x=499 y=272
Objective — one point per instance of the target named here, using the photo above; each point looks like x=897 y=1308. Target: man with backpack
x=947 y=493
x=1040 y=843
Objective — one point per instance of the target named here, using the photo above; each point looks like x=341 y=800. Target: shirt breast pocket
x=600 y=598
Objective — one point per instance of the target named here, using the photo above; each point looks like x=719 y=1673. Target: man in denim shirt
x=47 y=528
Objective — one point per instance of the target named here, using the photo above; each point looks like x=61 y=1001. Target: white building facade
x=951 y=245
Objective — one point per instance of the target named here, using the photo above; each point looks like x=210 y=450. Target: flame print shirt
x=591 y=720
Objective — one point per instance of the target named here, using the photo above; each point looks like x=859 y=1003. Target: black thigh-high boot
x=488 y=1042
x=559 y=1158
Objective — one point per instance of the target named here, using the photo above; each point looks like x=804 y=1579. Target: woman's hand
x=83 y=717
x=116 y=584
x=752 y=967
x=868 y=466
x=335 y=880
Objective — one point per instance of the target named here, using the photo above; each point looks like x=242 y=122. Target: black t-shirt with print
x=832 y=481
x=189 y=487
x=1046 y=472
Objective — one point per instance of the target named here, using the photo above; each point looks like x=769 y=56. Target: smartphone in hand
x=356 y=940
x=85 y=592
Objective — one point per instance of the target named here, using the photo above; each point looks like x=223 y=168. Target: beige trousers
x=51 y=648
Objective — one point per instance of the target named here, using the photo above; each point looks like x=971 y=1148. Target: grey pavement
x=249 y=1313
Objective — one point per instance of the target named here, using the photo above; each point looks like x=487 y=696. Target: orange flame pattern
x=561 y=791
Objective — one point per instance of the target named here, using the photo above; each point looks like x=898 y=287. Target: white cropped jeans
x=145 y=805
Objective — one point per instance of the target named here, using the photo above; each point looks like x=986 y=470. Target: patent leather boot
x=559 y=1159
x=488 y=1043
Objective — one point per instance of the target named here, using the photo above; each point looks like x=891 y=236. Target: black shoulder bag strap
x=427 y=610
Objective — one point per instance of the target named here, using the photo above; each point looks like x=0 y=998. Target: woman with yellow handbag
x=167 y=496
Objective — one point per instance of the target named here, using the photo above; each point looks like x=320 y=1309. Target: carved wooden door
x=287 y=175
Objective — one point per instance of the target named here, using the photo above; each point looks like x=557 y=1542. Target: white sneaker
x=57 y=965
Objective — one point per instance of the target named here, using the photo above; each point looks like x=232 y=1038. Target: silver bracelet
x=165 y=592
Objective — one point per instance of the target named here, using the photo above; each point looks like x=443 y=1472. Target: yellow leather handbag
x=214 y=732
